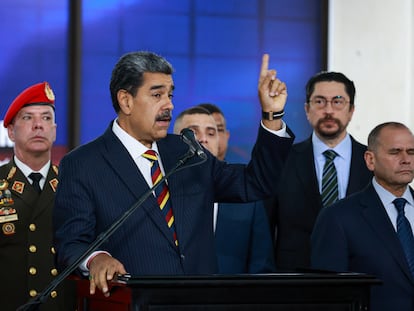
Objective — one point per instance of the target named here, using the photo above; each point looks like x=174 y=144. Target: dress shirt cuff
x=281 y=133
x=84 y=266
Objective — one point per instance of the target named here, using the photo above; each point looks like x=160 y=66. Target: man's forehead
x=323 y=87
x=219 y=118
x=36 y=109
x=158 y=80
x=198 y=120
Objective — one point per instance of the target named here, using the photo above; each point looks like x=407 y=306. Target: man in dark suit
x=223 y=131
x=102 y=179
x=241 y=230
x=27 y=191
x=362 y=232
x=329 y=108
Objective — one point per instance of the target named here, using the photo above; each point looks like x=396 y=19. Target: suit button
x=52 y=250
x=53 y=294
x=182 y=257
x=32 y=293
x=32 y=227
x=32 y=248
x=54 y=272
x=32 y=270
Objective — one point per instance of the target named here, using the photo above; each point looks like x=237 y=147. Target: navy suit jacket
x=100 y=181
x=356 y=234
x=243 y=240
x=294 y=210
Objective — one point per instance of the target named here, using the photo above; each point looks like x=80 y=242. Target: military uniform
x=26 y=250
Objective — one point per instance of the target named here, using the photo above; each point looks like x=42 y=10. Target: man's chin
x=160 y=133
x=329 y=133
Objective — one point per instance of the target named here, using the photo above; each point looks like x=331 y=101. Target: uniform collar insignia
x=18 y=186
x=55 y=169
x=53 y=183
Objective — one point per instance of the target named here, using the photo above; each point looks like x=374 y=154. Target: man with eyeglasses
x=312 y=180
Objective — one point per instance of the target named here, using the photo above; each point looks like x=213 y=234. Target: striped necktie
x=329 y=179
x=404 y=232
x=162 y=193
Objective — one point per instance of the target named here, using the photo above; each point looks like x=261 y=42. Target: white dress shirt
x=27 y=171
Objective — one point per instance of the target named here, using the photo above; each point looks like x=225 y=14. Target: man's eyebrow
x=212 y=128
x=160 y=86
x=156 y=87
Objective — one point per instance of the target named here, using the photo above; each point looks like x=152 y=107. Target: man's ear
x=124 y=101
x=306 y=107
x=10 y=131
x=369 y=157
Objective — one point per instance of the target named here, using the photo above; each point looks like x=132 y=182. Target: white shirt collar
x=134 y=147
x=26 y=170
x=343 y=149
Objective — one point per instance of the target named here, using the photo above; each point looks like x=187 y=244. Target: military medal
x=8 y=228
x=3 y=184
x=7 y=212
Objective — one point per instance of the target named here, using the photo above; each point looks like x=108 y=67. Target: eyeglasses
x=337 y=102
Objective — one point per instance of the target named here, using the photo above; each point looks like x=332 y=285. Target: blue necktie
x=329 y=179
x=404 y=232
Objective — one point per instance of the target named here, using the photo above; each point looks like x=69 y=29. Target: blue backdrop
x=214 y=45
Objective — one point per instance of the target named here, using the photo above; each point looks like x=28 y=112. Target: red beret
x=38 y=94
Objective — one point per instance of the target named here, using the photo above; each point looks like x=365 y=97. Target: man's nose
x=37 y=123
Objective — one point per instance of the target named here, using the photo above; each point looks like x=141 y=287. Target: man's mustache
x=329 y=118
x=166 y=115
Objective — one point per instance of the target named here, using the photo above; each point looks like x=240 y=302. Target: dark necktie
x=329 y=179
x=36 y=177
x=404 y=232
x=161 y=192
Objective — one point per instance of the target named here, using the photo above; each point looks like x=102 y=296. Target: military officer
x=27 y=190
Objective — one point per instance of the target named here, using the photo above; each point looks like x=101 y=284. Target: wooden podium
x=284 y=291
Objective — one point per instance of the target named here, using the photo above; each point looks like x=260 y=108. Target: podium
x=264 y=292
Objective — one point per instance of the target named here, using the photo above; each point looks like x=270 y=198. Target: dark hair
x=193 y=110
x=128 y=72
x=189 y=111
x=211 y=108
x=327 y=76
x=373 y=140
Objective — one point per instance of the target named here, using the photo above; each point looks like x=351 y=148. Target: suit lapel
x=20 y=186
x=358 y=166
x=305 y=167
x=47 y=195
x=22 y=189
x=121 y=162
x=377 y=218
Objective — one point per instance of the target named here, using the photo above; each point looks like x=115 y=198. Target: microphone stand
x=34 y=303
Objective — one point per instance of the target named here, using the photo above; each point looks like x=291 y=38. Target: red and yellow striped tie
x=161 y=192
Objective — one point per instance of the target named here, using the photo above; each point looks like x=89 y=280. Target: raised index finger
x=265 y=65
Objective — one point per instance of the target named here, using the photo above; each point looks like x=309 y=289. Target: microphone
x=188 y=137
